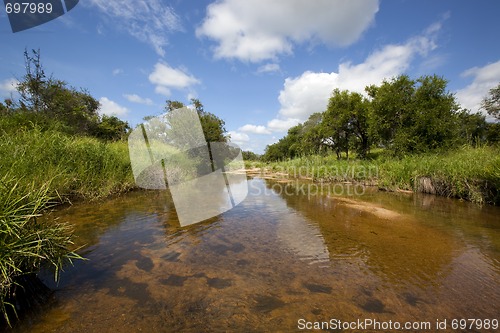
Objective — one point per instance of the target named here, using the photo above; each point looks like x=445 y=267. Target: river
x=288 y=256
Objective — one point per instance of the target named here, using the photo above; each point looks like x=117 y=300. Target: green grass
x=467 y=173
x=25 y=241
x=39 y=169
x=77 y=167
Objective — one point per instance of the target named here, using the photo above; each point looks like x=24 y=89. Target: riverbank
x=471 y=174
x=40 y=169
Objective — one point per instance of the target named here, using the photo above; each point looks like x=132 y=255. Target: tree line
x=402 y=116
x=50 y=103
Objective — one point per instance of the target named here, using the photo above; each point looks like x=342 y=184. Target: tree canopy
x=401 y=115
x=51 y=103
x=213 y=126
x=491 y=103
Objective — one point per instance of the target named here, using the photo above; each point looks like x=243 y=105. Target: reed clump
x=27 y=242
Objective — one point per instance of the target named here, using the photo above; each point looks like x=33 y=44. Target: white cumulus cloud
x=484 y=78
x=269 y=68
x=309 y=92
x=111 y=108
x=166 y=78
x=134 y=98
x=259 y=29
x=254 y=129
x=148 y=21
x=8 y=87
x=282 y=125
x=239 y=138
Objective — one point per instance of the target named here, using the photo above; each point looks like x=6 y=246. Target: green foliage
x=473 y=128
x=493 y=133
x=213 y=126
x=491 y=103
x=110 y=128
x=76 y=166
x=250 y=156
x=402 y=115
x=413 y=116
x=345 y=123
x=52 y=104
x=453 y=174
x=25 y=241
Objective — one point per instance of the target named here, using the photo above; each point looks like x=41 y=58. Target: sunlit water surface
x=281 y=255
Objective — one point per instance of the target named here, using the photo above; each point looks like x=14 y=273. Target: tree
x=213 y=127
x=31 y=87
x=111 y=128
x=473 y=127
x=491 y=103
x=345 y=123
x=312 y=141
x=389 y=111
x=250 y=156
x=412 y=116
x=434 y=115
x=76 y=109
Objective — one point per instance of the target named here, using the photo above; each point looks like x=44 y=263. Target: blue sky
x=262 y=66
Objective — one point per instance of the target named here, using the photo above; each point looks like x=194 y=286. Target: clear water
x=282 y=255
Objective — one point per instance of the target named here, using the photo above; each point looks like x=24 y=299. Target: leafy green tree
x=312 y=140
x=345 y=123
x=213 y=126
x=111 y=128
x=434 y=115
x=411 y=116
x=493 y=133
x=250 y=156
x=77 y=110
x=389 y=111
x=491 y=103
x=473 y=127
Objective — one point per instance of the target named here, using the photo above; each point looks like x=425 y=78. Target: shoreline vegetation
x=55 y=147
x=467 y=173
x=39 y=171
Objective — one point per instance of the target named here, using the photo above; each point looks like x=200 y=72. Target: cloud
x=110 y=108
x=268 y=68
x=484 y=78
x=8 y=87
x=259 y=29
x=166 y=78
x=254 y=129
x=239 y=138
x=282 y=125
x=134 y=98
x=148 y=21
x=309 y=93
x=117 y=71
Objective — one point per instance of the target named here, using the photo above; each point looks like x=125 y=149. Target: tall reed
x=25 y=241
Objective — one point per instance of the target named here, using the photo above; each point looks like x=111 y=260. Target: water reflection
x=393 y=245
x=273 y=259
